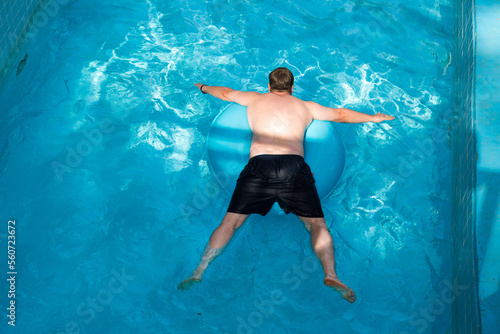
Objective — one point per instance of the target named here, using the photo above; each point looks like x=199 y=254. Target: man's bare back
x=278 y=122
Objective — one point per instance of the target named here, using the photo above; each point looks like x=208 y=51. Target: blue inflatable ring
x=228 y=145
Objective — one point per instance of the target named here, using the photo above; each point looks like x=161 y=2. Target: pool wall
x=17 y=19
x=465 y=305
x=488 y=163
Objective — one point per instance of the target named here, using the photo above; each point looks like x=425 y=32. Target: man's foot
x=344 y=290
x=186 y=284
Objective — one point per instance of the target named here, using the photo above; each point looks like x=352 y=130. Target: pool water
x=104 y=168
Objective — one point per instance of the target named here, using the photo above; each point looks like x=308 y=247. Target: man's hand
x=377 y=118
x=199 y=86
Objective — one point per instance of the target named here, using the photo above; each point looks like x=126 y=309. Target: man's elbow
x=226 y=94
x=339 y=115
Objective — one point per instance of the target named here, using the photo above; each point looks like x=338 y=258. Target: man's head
x=281 y=80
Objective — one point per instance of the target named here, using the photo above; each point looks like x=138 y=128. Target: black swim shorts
x=286 y=179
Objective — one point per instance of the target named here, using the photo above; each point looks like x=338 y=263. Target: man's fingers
x=383 y=117
x=386 y=117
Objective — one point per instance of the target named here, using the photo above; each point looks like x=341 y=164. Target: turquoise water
x=103 y=167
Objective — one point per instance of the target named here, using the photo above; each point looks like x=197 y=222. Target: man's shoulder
x=307 y=104
x=243 y=98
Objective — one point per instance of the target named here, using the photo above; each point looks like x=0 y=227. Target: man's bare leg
x=322 y=244
x=218 y=240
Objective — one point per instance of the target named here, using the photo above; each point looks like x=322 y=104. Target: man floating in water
x=276 y=170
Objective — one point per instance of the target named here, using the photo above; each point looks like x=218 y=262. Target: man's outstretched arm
x=345 y=115
x=228 y=94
